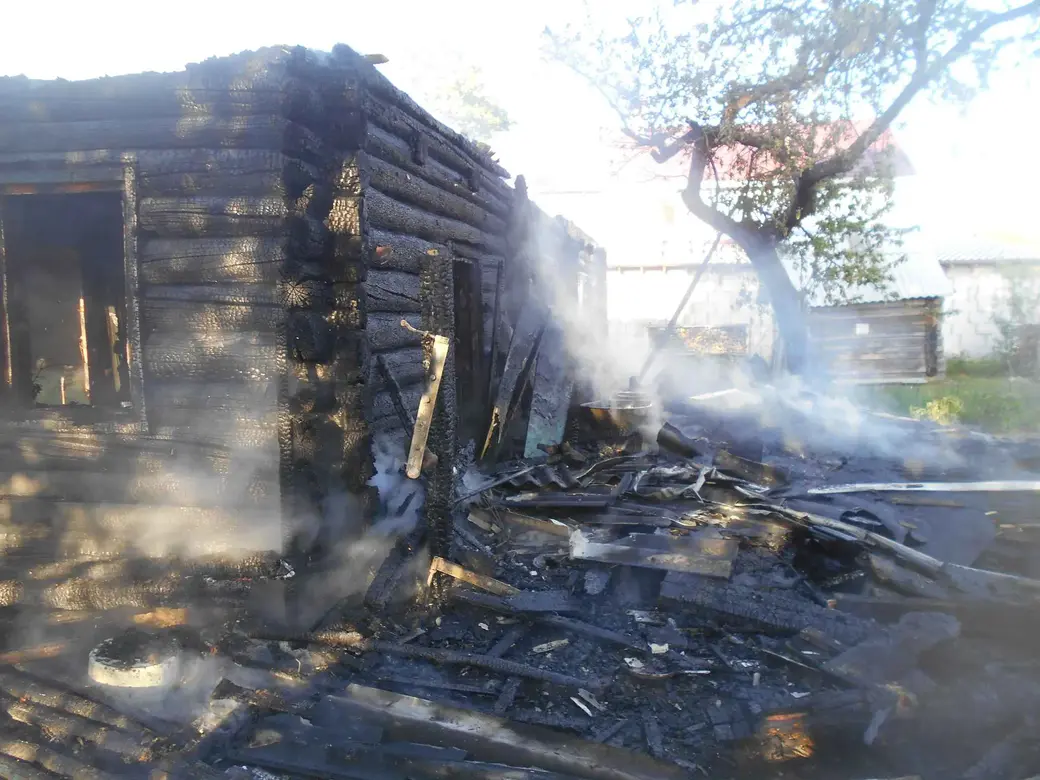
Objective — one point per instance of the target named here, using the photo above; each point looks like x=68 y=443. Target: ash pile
x=741 y=591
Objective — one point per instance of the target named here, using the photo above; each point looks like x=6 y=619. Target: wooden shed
x=892 y=342
x=888 y=335
x=204 y=279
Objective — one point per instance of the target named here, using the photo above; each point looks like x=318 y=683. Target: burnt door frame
x=58 y=176
x=471 y=371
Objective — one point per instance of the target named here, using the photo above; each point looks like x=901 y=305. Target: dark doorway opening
x=471 y=378
x=65 y=315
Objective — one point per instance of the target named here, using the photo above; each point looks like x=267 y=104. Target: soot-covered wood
x=392 y=251
x=392 y=291
x=397 y=151
x=408 y=188
x=389 y=214
x=212 y=260
x=438 y=317
x=273 y=133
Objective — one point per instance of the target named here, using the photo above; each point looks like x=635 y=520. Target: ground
x=976 y=393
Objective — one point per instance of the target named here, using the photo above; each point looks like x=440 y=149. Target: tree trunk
x=790 y=317
x=760 y=245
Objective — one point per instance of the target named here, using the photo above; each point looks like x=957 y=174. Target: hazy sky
x=975 y=173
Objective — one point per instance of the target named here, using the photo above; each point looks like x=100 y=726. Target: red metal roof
x=733 y=162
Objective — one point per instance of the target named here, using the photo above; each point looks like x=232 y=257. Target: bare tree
x=775 y=90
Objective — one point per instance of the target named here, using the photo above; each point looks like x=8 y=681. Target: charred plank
x=393 y=291
x=403 y=186
x=212 y=260
x=385 y=249
x=491 y=738
x=392 y=215
x=762 y=608
x=193 y=132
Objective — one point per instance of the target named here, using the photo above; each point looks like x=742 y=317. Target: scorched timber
x=218 y=217
x=174 y=402
x=238 y=172
x=250 y=132
x=412 y=118
x=384 y=404
x=20 y=770
x=386 y=213
x=490 y=738
x=24 y=743
x=765 y=609
x=385 y=249
x=160 y=96
x=522 y=349
x=133 y=485
x=403 y=365
x=297 y=294
x=402 y=186
x=118 y=742
x=500 y=665
x=385 y=331
x=24 y=688
x=212 y=260
x=551 y=397
x=690 y=554
x=893 y=653
x=214 y=357
x=392 y=291
x=399 y=153
x=485 y=174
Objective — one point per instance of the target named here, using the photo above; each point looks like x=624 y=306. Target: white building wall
x=982 y=294
x=638 y=297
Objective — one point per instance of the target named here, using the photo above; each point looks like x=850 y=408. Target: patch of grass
x=993 y=404
x=962 y=366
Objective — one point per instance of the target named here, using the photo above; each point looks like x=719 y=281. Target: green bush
x=945 y=410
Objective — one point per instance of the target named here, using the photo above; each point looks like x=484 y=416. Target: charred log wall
x=430 y=201
x=285 y=212
x=228 y=229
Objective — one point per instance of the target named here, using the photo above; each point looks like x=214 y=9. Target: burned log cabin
x=220 y=284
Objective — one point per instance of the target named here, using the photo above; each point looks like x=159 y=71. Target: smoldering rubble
x=733 y=592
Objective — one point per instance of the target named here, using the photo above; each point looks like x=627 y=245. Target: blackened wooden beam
x=438 y=317
x=249 y=132
x=490 y=738
x=522 y=350
x=389 y=214
x=403 y=186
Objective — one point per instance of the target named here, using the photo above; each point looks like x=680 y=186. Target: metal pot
x=624 y=414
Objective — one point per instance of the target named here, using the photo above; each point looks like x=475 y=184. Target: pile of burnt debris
x=733 y=595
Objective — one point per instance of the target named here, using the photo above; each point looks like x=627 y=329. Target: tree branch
x=924 y=19
x=691 y=196
x=844 y=161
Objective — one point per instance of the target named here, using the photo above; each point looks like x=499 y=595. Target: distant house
x=993 y=281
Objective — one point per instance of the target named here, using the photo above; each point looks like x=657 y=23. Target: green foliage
x=945 y=410
x=778 y=90
x=978 y=367
x=994 y=404
x=457 y=95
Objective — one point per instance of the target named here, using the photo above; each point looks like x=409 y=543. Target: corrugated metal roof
x=919 y=276
x=988 y=249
